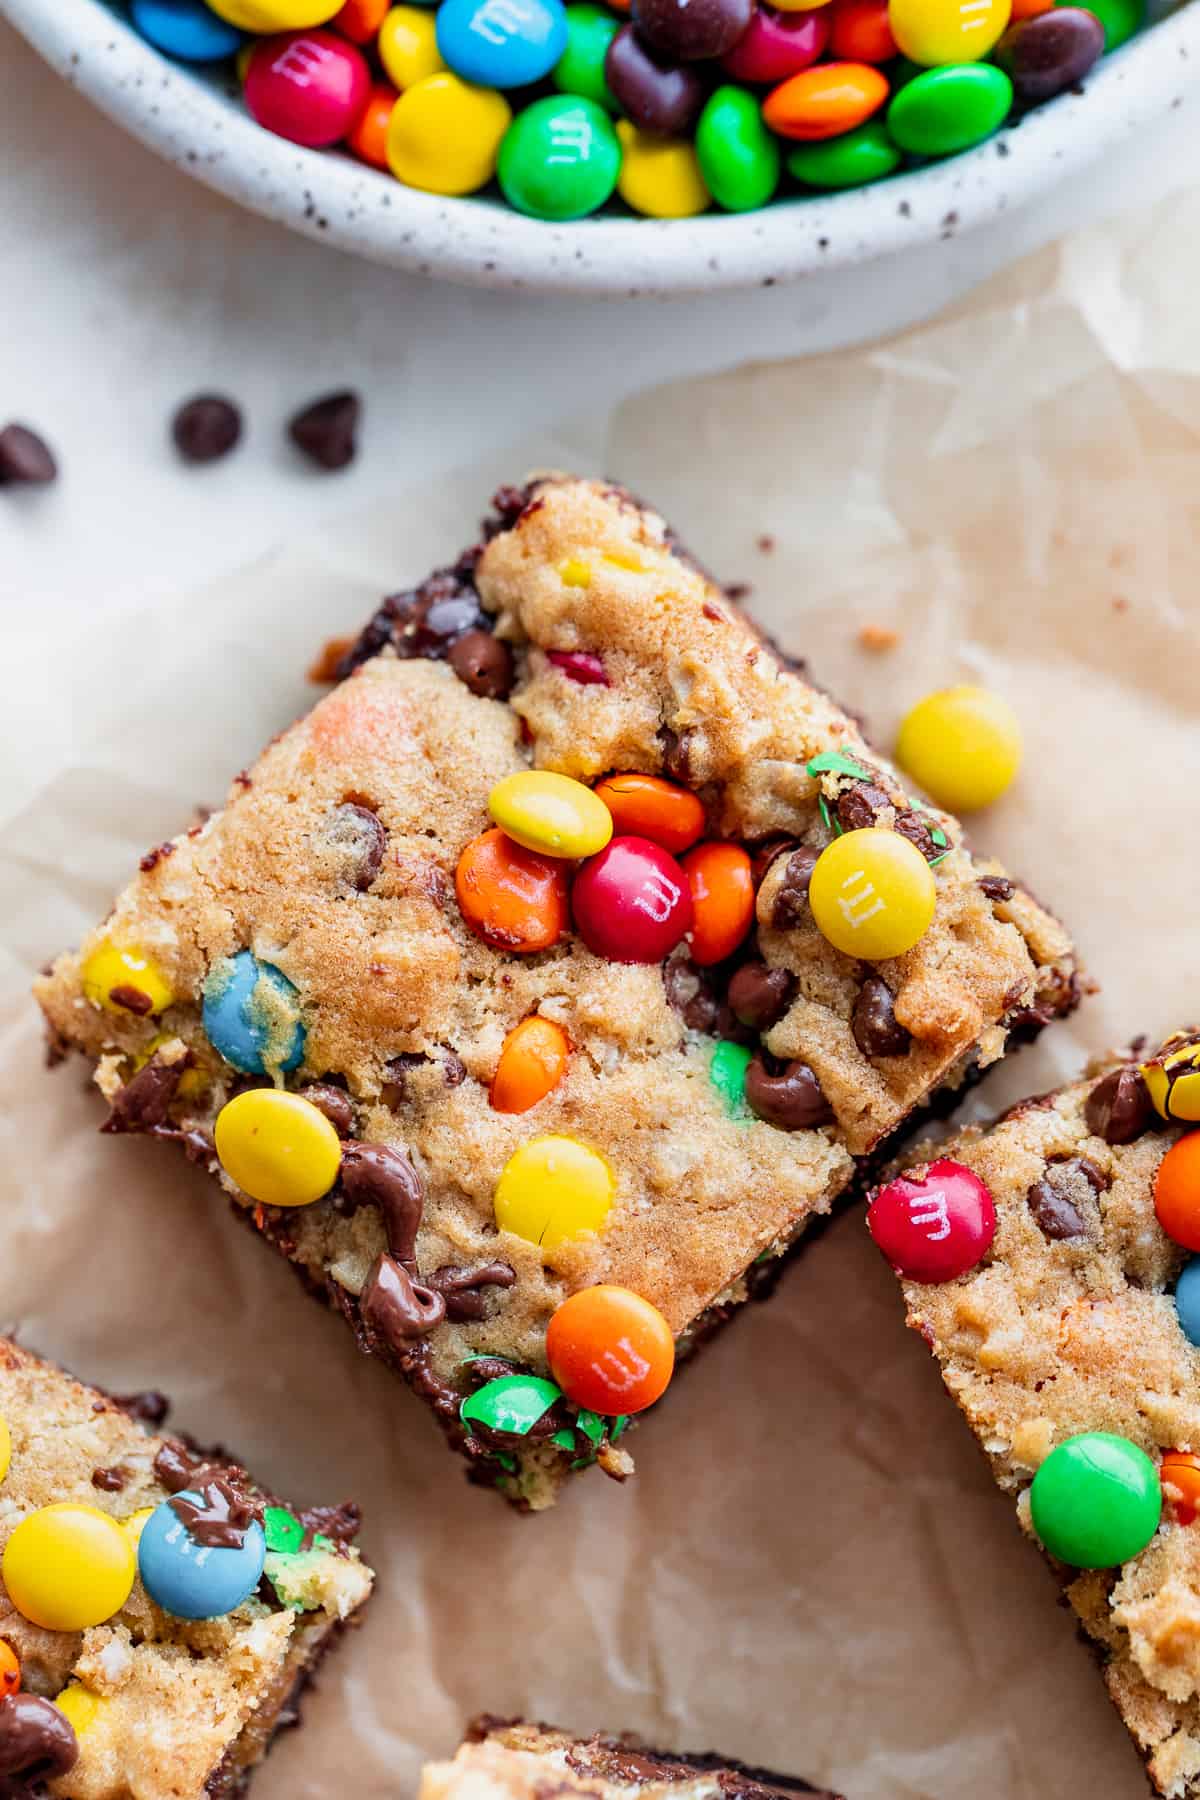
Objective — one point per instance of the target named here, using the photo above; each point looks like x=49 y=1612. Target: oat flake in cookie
x=497 y=979
x=161 y=1613
x=1069 y=1340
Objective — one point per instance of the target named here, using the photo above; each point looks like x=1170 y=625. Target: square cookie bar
x=160 y=1614
x=550 y=975
x=510 y=1759
x=1046 y=1263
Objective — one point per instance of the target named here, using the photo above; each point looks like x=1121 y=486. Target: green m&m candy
x=950 y=109
x=1096 y=1500
x=560 y=158
x=727 y=1072
x=739 y=158
x=580 y=68
x=852 y=160
x=1120 y=19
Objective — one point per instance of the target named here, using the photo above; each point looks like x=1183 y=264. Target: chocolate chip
x=37 y=1743
x=464 y=1289
x=359 y=838
x=149 y=1407
x=25 y=458
x=693 y=29
x=676 y=753
x=656 y=92
x=913 y=826
x=145 y=1100
x=877 y=1030
x=206 y=428
x=325 y=430
x=427 y=621
x=787 y=1095
x=454 y=1069
x=109 y=1481
x=483 y=663
x=396 y=1073
x=131 y=998
x=791 y=901
x=1119 y=1109
x=764 y=854
x=334 y=1102
x=997 y=887
x=1049 y=1200
x=760 y=995
x=859 y=806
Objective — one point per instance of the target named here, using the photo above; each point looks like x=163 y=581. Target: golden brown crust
x=390 y=971
x=175 y=1697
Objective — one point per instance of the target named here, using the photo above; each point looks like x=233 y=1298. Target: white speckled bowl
x=195 y=124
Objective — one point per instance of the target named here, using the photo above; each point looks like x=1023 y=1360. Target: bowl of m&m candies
x=664 y=143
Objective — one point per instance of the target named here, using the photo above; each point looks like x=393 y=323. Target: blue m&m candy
x=186 y=29
x=502 y=43
x=251 y=1014
x=194 y=1580
x=1187 y=1300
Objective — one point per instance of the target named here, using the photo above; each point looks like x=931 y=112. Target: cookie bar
x=1045 y=1263
x=506 y=951
x=161 y=1614
x=510 y=1759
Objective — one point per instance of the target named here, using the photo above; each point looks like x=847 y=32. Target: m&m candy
x=408 y=47
x=308 y=86
x=275 y=15
x=188 y=29
x=191 y=1578
x=550 y=813
x=722 y=892
x=962 y=744
x=610 y=1350
x=580 y=68
x=648 y=806
x=777 y=44
x=445 y=135
x=67 y=1567
x=501 y=43
x=10 y=1669
x=360 y=20
x=632 y=903
x=1172 y=1078
x=511 y=897
x=933 y=32
x=872 y=894
x=1177 y=1192
x=79 y=1706
x=1096 y=1501
x=552 y=1189
x=368 y=140
x=559 y=160
x=934 y=1226
x=826 y=100
x=532 y=1062
x=739 y=158
x=1179 y=1474
x=251 y=1014
x=660 y=176
x=124 y=979
x=277 y=1147
x=1187 y=1300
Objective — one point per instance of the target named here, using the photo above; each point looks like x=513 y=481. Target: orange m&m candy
x=511 y=897
x=647 y=806
x=825 y=101
x=609 y=1350
x=861 y=31
x=722 y=887
x=359 y=20
x=10 y=1669
x=532 y=1061
x=1180 y=1474
x=368 y=140
x=1177 y=1192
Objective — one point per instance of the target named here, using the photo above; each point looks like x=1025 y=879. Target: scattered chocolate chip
x=397 y=1307
x=325 y=430
x=220 y=1517
x=791 y=902
x=760 y=995
x=206 y=428
x=916 y=828
x=148 y=1408
x=877 y=1030
x=358 y=836
x=997 y=887
x=764 y=854
x=483 y=663
x=454 y=1069
x=396 y=1073
x=1119 y=1108
x=676 y=753
x=786 y=1095
x=145 y=1100
x=37 y=1744
x=463 y=1289
x=26 y=460
x=131 y=998
x=109 y=1481
x=334 y=1102
x=1049 y=1200
x=860 y=805
x=1027 y=1022
x=377 y=1175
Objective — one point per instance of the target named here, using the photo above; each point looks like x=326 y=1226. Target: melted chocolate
x=376 y=1175
x=37 y=1744
x=462 y=1288
x=222 y=1515
x=397 y=1307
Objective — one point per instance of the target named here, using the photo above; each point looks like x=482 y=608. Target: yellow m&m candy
x=552 y=1189
x=444 y=135
x=872 y=894
x=550 y=813
x=660 y=176
x=5 y=1447
x=123 y=979
x=963 y=745
x=1173 y=1078
x=408 y=46
x=67 y=1567
x=933 y=32
x=278 y=1148
x=80 y=1705
x=276 y=15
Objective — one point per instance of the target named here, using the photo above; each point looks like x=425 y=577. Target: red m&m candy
x=777 y=44
x=308 y=86
x=609 y=1350
x=631 y=902
x=934 y=1226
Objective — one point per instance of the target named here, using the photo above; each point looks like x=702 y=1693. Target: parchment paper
x=812 y=1568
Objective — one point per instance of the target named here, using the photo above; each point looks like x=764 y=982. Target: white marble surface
x=126 y=287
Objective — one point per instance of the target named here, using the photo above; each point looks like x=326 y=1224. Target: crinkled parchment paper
x=812 y=1568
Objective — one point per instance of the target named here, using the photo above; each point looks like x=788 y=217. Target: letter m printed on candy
x=933 y=1225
